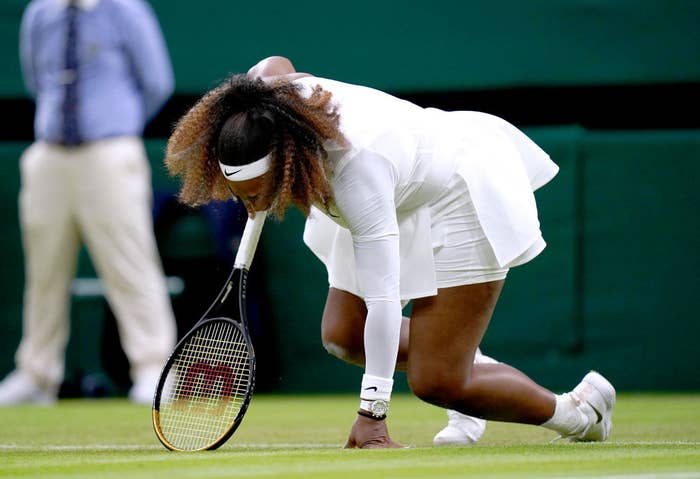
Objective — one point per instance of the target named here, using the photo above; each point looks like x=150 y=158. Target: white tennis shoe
x=594 y=394
x=461 y=430
x=21 y=388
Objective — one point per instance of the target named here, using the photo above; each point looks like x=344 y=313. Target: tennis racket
x=208 y=380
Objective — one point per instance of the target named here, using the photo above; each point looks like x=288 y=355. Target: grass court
x=283 y=436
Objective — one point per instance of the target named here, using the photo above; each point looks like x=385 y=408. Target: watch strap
x=368 y=414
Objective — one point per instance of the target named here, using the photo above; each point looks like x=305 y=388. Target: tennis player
x=402 y=203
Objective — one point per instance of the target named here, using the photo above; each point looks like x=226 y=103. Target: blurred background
x=610 y=88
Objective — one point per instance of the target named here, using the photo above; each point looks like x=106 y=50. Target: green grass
x=654 y=436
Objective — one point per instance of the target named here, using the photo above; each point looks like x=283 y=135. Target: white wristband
x=374 y=387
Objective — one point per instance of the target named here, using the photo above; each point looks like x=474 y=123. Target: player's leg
x=461 y=429
x=447 y=329
x=50 y=242
x=115 y=214
x=343 y=328
x=342 y=333
x=445 y=332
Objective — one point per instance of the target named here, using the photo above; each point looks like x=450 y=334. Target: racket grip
x=249 y=240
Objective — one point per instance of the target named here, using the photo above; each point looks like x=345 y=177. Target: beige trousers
x=98 y=194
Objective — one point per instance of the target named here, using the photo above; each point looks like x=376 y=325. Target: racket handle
x=249 y=240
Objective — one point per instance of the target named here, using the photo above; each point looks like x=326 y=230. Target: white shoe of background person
x=144 y=387
x=594 y=394
x=463 y=430
x=21 y=388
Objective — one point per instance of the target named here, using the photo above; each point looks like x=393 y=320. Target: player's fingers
x=382 y=444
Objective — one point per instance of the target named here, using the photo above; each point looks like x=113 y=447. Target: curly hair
x=243 y=119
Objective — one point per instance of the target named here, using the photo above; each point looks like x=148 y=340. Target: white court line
x=139 y=447
x=234 y=445
x=646 y=443
x=656 y=475
x=105 y=447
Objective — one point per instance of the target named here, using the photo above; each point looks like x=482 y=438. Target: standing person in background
x=98 y=70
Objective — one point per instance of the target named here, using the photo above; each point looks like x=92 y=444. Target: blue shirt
x=124 y=71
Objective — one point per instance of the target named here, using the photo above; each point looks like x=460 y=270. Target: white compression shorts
x=461 y=251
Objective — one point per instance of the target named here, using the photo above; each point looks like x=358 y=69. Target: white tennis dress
x=377 y=240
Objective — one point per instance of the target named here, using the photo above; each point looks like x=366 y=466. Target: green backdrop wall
x=417 y=45
x=615 y=289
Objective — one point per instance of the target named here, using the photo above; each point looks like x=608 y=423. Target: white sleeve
x=364 y=195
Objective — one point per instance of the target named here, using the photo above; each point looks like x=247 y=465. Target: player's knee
x=441 y=390
x=341 y=343
x=342 y=351
x=335 y=350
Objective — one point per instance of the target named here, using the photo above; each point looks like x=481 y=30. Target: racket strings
x=206 y=387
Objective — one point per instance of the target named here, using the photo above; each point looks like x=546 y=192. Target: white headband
x=246 y=172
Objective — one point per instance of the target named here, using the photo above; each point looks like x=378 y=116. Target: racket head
x=205 y=387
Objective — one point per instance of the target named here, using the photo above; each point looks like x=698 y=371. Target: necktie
x=71 y=132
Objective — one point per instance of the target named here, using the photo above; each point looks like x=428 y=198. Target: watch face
x=379 y=407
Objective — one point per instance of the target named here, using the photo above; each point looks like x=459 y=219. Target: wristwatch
x=374 y=409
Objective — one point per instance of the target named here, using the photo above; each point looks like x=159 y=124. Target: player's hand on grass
x=369 y=433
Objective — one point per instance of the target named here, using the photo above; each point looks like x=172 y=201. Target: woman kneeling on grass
x=402 y=203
